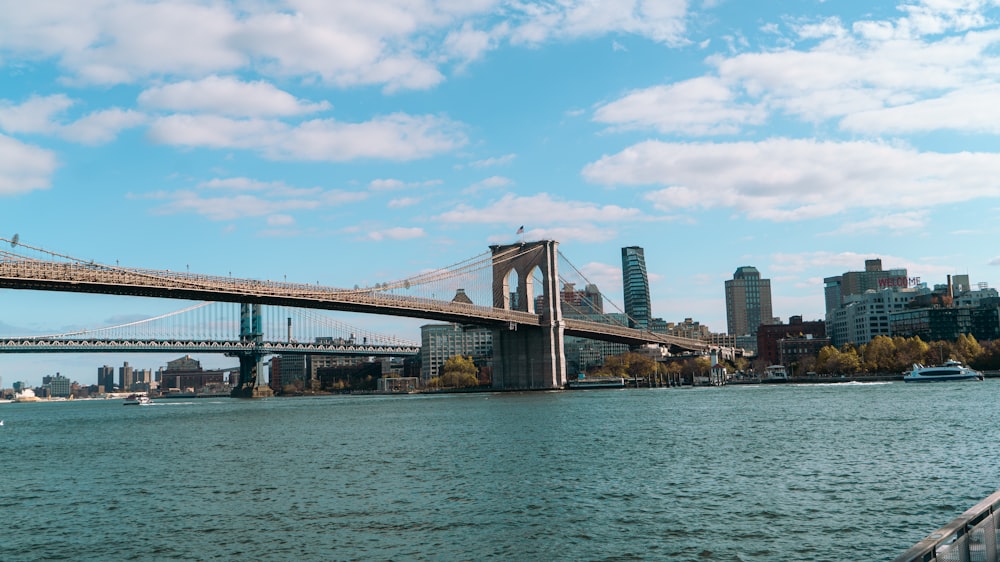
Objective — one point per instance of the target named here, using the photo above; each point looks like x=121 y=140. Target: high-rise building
x=124 y=376
x=106 y=377
x=748 y=301
x=873 y=278
x=635 y=285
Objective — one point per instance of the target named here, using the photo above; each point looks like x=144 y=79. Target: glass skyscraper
x=748 y=301
x=635 y=285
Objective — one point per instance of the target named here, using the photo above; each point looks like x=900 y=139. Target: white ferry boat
x=949 y=371
x=138 y=400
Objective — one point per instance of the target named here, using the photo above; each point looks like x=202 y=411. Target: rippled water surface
x=819 y=472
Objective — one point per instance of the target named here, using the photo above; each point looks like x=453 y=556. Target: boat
x=597 y=382
x=775 y=373
x=138 y=400
x=949 y=371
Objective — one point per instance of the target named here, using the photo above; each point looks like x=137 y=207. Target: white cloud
x=492 y=182
x=116 y=50
x=396 y=233
x=701 y=106
x=102 y=126
x=42 y=115
x=280 y=220
x=230 y=208
x=35 y=115
x=223 y=199
x=659 y=20
x=23 y=167
x=390 y=184
x=538 y=212
x=495 y=161
x=223 y=95
x=892 y=223
x=973 y=109
x=272 y=188
x=789 y=179
x=392 y=137
x=402 y=202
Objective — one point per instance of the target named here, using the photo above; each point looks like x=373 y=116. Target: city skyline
x=350 y=144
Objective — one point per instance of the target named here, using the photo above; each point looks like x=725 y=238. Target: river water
x=739 y=473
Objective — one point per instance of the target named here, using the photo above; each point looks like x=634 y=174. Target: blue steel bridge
x=515 y=289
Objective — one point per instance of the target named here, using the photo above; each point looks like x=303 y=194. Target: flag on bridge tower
x=521 y=230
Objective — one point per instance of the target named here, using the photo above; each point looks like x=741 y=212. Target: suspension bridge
x=214 y=327
x=515 y=289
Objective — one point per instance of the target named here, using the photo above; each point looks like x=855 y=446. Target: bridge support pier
x=249 y=385
x=251 y=362
x=528 y=357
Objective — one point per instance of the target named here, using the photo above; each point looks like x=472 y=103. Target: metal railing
x=970 y=537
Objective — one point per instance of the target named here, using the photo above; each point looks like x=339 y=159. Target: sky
x=354 y=141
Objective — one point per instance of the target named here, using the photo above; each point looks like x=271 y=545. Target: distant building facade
x=770 y=336
x=440 y=342
x=57 y=386
x=873 y=278
x=748 y=302
x=635 y=285
x=106 y=378
x=186 y=373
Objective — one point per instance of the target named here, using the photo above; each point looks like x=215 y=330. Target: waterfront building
x=689 y=328
x=944 y=313
x=582 y=354
x=440 y=342
x=748 y=302
x=185 y=374
x=770 y=336
x=56 y=386
x=800 y=351
x=291 y=369
x=864 y=316
x=873 y=278
x=635 y=286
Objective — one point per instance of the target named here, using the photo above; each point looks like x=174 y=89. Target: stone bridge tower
x=528 y=357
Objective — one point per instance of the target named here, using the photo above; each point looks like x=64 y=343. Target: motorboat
x=949 y=371
x=138 y=400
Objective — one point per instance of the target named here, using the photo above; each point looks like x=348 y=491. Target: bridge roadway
x=96 y=278
x=52 y=345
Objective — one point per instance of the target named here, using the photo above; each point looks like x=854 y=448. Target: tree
x=909 y=351
x=967 y=349
x=458 y=372
x=879 y=355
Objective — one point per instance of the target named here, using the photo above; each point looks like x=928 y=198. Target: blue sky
x=347 y=142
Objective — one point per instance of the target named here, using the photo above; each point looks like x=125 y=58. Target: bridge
x=515 y=289
x=214 y=327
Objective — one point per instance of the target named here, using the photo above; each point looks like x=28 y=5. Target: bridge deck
x=43 y=275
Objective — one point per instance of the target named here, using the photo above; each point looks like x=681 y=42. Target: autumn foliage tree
x=457 y=372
